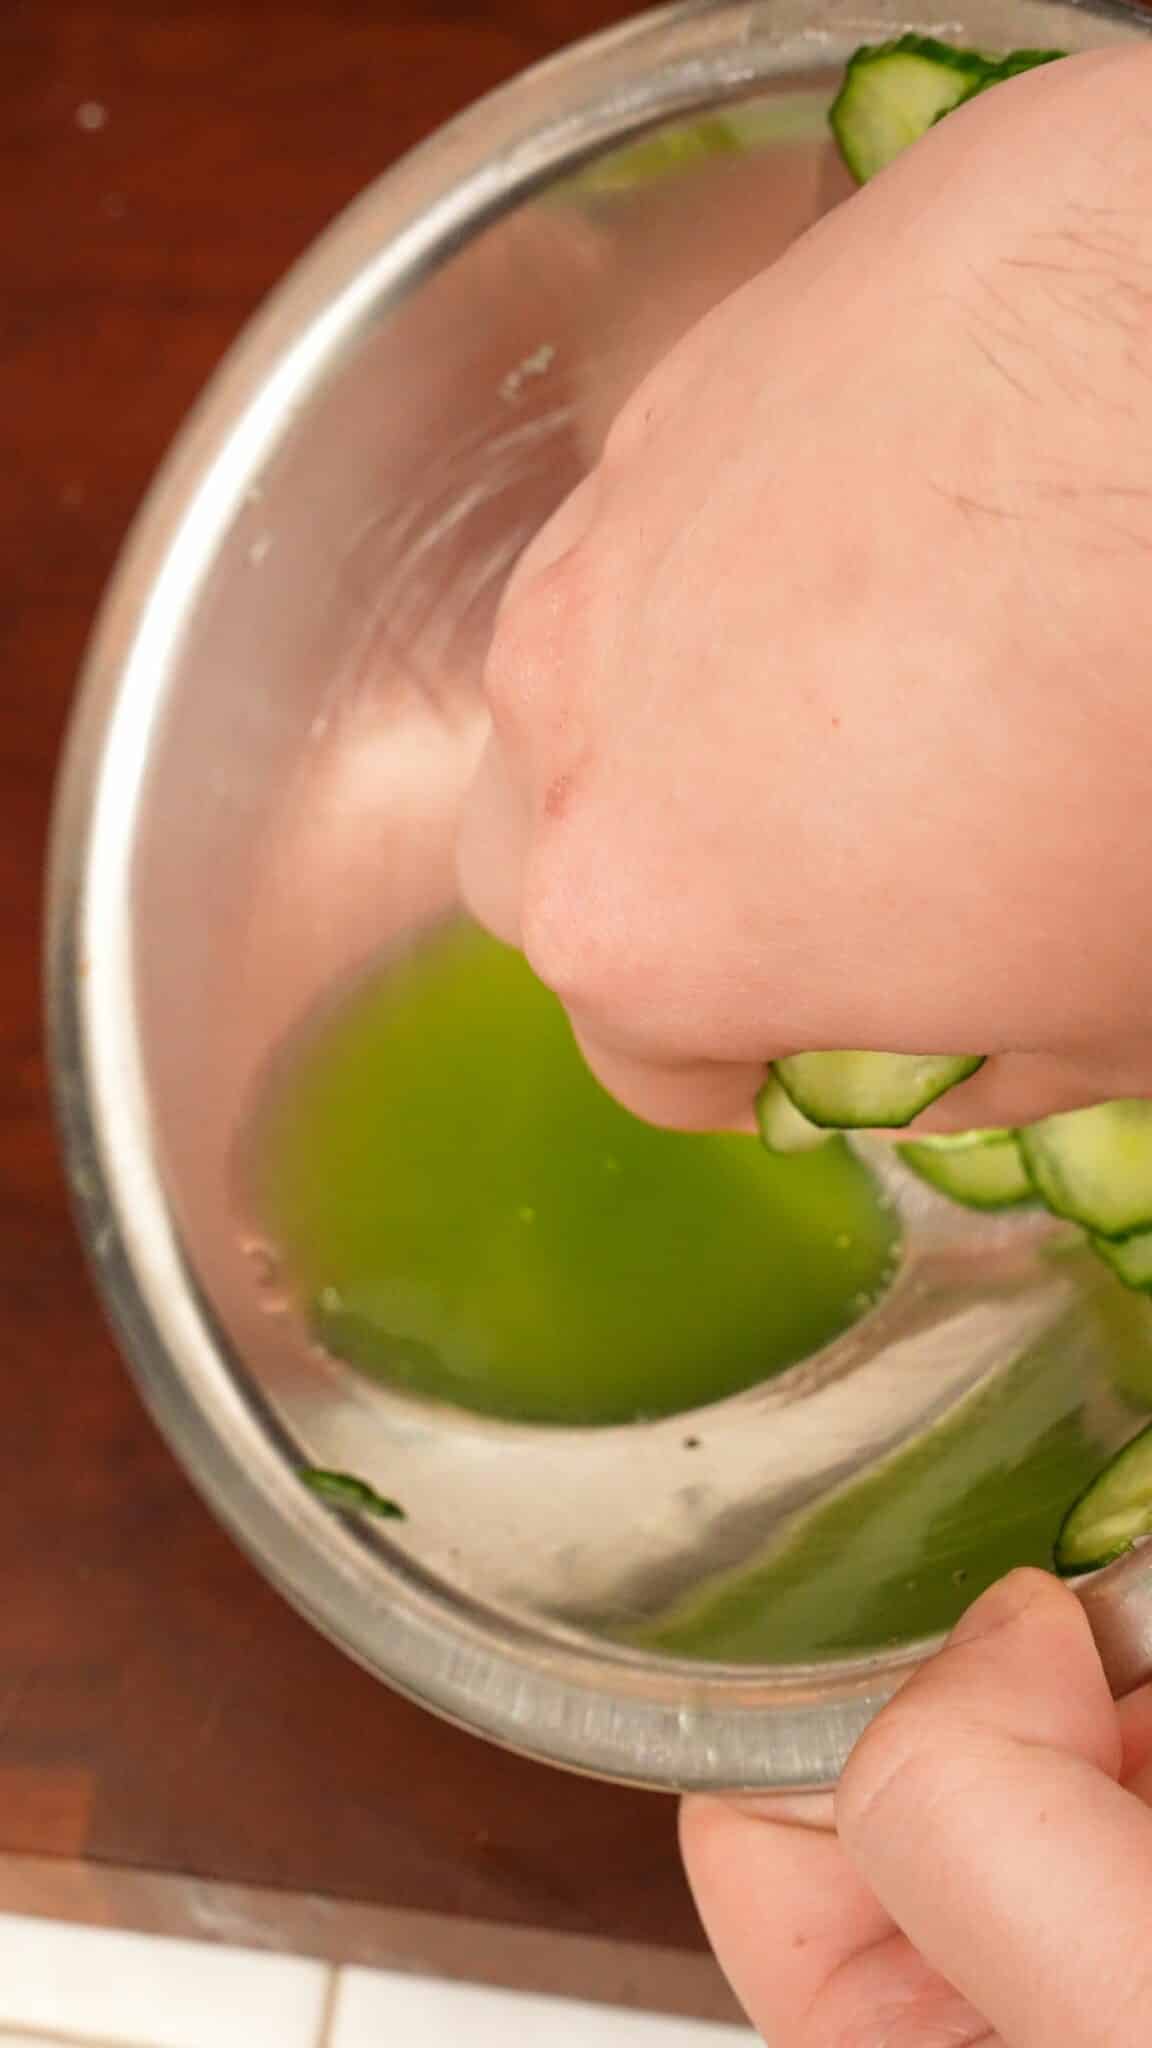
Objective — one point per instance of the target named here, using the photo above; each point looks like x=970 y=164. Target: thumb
x=983 y=1810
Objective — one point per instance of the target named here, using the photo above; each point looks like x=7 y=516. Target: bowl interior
x=283 y=713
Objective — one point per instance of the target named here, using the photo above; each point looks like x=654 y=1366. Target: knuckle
x=516 y=656
x=662 y=393
x=634 y=425
x=677 y=1097
x=586 y=925
x=577 y=948
x=534 y=657
x=628 y=428
x=641 y=1090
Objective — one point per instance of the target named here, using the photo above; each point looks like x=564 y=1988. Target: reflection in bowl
x=281 y=711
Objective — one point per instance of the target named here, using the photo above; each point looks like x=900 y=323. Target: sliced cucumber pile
x=979 y=1169
x=894 y=92
x=860 y=1091
x=782 y=1127
x=1091 y=1166
x=1112 y=1514
x=1095 y=1166
x=1129 y=1257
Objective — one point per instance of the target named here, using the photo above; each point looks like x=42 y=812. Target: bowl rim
x=667 y=1724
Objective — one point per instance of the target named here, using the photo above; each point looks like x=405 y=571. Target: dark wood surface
x=159 y=1706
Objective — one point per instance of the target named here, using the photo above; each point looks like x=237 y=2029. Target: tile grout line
x=56 y=2039
x=326 y=2035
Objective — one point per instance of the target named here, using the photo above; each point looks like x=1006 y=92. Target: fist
x=821 y=713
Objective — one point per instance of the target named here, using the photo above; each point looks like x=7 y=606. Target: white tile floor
x=83 y=1987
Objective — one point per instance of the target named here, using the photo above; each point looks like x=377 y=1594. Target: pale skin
x=989 y=1880
x=821 y=719
x=820 y=711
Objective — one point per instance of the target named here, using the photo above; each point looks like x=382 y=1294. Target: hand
x=821 y=712
x=990 y=1881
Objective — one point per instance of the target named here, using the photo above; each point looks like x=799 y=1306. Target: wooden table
x=161 y=1710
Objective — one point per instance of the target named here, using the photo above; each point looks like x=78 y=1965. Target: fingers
x=688 y=1095
x=983 y=1811
x=782 y=1908
x=680 y=1094
x=558 y=536
x=492 y=845
x=496 y=827
x=808 y=1949
x=964 y=1809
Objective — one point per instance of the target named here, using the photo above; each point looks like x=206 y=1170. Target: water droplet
x=861 y=1301
x=844 y=1241
x=534 y=365
x=611 y=1165
x=260 y=549
x=319 y=725
x=262 y=1260
x=264 y=1265
x=91 y=115
x=527 y=1214
x=331 y=1300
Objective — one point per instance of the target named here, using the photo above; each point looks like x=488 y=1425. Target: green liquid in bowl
x=905 y=1548
x=471 y=1217
x=899 y=1552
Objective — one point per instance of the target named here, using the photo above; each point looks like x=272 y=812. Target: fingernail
x=1000 y=1607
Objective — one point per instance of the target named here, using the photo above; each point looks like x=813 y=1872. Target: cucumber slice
x=782 y=1127
x=1011 y=67
x=854 y=1091
x=1095 y=1166
x=1112 y=1514
x=1129 y=1257
x=893 y=92
x=981 y=1169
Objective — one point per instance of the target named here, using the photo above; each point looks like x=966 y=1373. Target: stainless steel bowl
x=279 y=713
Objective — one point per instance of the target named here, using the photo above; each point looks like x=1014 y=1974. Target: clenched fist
x=822 y=712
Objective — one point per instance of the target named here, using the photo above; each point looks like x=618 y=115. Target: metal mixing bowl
x=279 y=713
